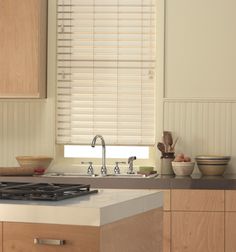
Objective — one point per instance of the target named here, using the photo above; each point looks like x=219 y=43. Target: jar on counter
x=166 y=166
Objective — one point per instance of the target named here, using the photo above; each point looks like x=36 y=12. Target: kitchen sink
x=77 y=174
x=69 y=174
x=135 y=175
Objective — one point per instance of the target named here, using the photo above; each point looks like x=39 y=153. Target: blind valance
x=106 y=71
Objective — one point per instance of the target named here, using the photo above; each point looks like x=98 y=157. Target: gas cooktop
x=43 y=191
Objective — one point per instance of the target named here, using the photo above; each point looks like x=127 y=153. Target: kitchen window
x=106 y=59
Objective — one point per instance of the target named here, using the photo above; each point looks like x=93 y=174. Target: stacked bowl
x=211 y=165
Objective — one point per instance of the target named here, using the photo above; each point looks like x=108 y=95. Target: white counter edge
x=11 y=211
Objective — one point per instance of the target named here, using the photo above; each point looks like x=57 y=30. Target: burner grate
x=43 y=191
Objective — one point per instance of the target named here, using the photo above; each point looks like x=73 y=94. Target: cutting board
x=16 y=171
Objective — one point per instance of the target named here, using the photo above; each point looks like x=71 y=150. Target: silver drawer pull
x=49 y=242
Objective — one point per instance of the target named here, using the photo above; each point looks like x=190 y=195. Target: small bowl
x=38 y=163
x=183 y=168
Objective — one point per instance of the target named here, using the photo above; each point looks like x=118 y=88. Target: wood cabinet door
x=19 y=237
x=230 y=231
x=23 y=26
x=197 y=232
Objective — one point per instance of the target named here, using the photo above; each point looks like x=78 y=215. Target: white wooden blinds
x=106 y=71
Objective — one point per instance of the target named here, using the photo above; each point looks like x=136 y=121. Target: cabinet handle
x=49 y=242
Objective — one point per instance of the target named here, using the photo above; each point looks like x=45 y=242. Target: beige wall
x=200 y=78
x=196 y=93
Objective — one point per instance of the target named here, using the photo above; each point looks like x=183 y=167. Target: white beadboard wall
x=203 y=127
x=26 y=128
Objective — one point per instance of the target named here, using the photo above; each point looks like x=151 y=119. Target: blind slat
x=106 y=53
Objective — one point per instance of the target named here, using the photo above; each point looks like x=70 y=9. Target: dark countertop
x=160 y=182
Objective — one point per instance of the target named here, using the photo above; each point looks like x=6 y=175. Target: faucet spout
x=130 y=162
x=103 y=168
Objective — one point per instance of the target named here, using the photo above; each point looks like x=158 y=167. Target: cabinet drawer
x=230 y=200
x=21 y=236
x=197 y=200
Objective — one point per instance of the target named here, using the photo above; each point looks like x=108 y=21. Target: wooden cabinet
x=194 y=221
x=139 y=233
x=0 y=236
x=166 y=221
x=230 y=221
x=197 y=231
x=23 y=28
x=230 y=232
x=21 y=236
x=197 y=200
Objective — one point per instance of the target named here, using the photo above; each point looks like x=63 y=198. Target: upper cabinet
x=23 y=48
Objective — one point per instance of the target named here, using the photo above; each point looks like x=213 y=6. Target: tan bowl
x=212 y=162
x=212 y=157
x=183 y=168
x=35 y=162
x=212 y=169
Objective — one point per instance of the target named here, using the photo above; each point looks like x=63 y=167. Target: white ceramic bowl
x=34 y=161
x=183 y=168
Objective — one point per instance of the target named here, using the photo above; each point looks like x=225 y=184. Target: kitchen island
x=111 y=220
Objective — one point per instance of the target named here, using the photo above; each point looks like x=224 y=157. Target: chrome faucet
x=130 y=162
x=103 y=168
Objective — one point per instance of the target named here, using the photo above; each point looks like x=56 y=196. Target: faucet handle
x=90 y=170
x=117 y=168
x=130 y=162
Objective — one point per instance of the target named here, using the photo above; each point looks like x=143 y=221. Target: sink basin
x=77 y=174
x=68 y=174
x=136 y=175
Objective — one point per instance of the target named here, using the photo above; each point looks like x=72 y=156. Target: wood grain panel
x=1 y=242
x=140 y=233
x=166 y=231
x=23 y=48
x=197 y=232
x=18 y=237
x=166 y=205
x=230 y=200
x=230 y=232
x=197 y=200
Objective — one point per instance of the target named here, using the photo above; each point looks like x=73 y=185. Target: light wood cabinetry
x=230 y=221
x=23 y=26
x=20 y=237
x=230 y=200
x=197 y=231
x=197 y=200
x=0 y=236
x=230 y=232
x=139 y=233
x=194 y=221
x=166 y=221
